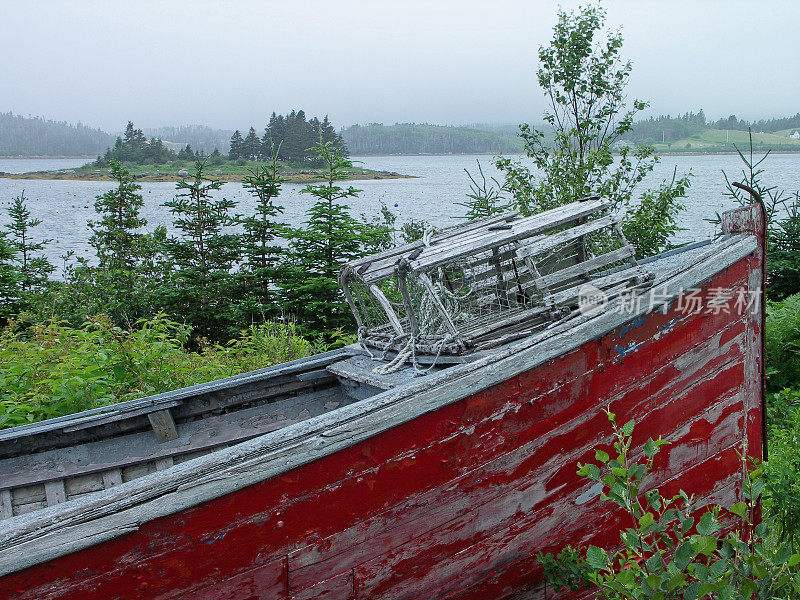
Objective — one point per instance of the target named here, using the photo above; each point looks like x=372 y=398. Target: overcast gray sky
x=230 y=64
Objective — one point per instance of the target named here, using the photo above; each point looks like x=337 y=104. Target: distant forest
x=34 y=136
x=412 y=138
x=666 y=128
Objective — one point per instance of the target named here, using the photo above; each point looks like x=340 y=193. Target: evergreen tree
x=262 y=254
x=186 y=153
x=33 y=268
x=330 y=238
x=236 y=146
x=251 y=148
x=134 y=147
x=203 y=255
x=10 y=280
x=119 y=285
x=115 y=236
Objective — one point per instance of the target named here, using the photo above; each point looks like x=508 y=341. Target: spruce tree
x=251 y=147
x=330 y=238
x=204 y=255
x=33 y=267
x=118 y=285
x=236 y=146
x=261 y=253
x=114 y=236
x=10 y=280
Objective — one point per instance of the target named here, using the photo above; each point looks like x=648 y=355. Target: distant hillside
x=34 y=136
x=692 y=132
x=412 y=138
x=199 y=137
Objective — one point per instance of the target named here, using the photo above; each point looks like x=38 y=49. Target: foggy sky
x=229 y=64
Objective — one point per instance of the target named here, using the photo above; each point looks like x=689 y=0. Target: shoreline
x=172 y=177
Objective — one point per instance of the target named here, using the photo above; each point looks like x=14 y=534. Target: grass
x=719 y=140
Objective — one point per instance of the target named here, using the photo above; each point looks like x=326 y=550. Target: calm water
x=65 y=206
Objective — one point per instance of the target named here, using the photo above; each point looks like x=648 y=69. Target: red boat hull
x=457 y=502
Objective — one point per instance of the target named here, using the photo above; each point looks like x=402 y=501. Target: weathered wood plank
x=388 y=309
x=588 y=266
x=482 y=237
x=108 y=456
x=111 y=478
x=535 y=246
x=6 y=507
x=54 y=492
x=163 y=464
x=163 y=425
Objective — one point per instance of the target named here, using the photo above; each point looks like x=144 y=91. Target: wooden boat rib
x=322 y=478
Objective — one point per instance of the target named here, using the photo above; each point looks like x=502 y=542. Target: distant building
x=795 y=135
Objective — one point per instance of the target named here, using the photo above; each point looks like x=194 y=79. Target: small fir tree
x=262 y=254
x=203 y=256
x=330 y=238
x=236 y=146
x=34 y=268
x=115 y=237
x=10 y=280
x=251 y=147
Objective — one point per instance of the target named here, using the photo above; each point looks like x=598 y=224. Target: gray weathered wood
x=163 y=425
x=391 y=316
x=536 y=244
x=164 y=463
x=54 y=492
x=108 y=456
x=598 y=262
x=112 y=478
x=6 y=509
x=480 y=237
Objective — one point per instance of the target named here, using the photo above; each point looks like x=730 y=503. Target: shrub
x=51 y=369
x=783 y=343
x=674 y=548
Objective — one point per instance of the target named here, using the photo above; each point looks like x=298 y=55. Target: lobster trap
x=480 y=284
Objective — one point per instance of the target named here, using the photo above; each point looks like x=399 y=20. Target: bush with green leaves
x=582 y=153
x=782 y=470
x=674 y=547
x=783 y=343
x=51 y=369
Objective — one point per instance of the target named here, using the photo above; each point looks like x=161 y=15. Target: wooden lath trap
x=480 y=284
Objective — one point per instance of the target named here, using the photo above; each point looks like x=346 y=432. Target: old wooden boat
x=435 y=458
